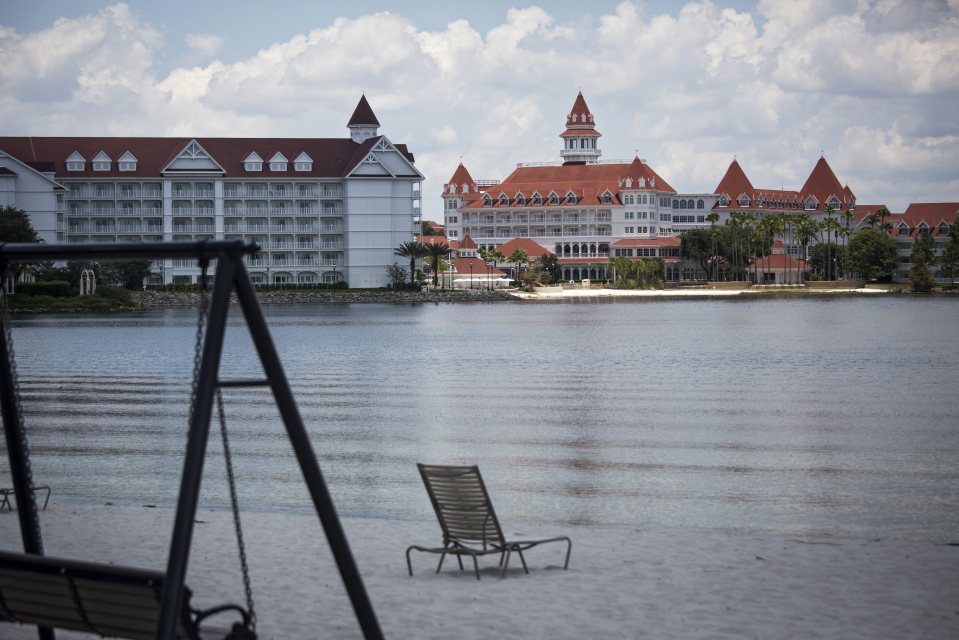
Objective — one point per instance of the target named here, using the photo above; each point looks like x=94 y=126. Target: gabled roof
x=467 y=243
x=476 y=266
x=533 y=249
x=930 y=213
x=431 y=240
x=363 y=115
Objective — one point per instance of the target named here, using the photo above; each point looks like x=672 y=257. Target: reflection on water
x=805 y=417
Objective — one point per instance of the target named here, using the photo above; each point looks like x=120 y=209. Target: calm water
x=797 y=417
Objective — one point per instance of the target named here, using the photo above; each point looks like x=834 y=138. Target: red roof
x=580 y=116
x=332 y=157
x=735 y=182
x=464 y=265
x=460 y=177
x=779 y=261
x=933 y=214
x=587 y=181
x=363 y=115
x=467 y=243
x=823 y=184
x=430 y=240
x=532 y=248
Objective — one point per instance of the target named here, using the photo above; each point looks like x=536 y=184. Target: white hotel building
x=322 y=209
x=581 y=209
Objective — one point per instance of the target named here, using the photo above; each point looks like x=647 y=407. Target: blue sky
x=872 y=84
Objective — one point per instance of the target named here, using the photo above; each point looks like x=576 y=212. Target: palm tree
x=712 y=218
x=436 y=252
x=519 y=257
x=805 y=231
x=413 y=250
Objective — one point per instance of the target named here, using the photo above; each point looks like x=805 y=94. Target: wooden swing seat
x=107 y=600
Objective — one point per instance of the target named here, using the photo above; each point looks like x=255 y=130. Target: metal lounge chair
x=469 y=523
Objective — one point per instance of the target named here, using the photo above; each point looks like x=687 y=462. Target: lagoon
x=806 y=417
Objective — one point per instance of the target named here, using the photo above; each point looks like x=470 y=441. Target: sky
x=873 y=85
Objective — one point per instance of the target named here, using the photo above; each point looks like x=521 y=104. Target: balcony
x=332 y=228
x=193 y=211
x=331 y=245
x=331 y=192
x=194 y=228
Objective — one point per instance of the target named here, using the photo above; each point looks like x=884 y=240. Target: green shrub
x=113 y=293
x=53 y=288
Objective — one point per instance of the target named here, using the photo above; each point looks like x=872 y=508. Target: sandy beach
x=622 y=582
x=555 y=293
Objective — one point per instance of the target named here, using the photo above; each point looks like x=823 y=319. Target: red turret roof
x=735 y=183
x=579 y=120
x=363 y=115
x=823 y=184
x=467 y=242
x=460 y=177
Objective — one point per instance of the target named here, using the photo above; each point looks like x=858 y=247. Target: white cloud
x=872 y=84
x=207 y=44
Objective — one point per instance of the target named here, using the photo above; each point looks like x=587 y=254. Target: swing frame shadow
x=230 y=276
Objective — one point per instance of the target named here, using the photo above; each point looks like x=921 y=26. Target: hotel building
x=322 y=210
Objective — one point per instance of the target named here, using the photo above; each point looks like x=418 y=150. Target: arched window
x=675 y=204
x=682 y=204
x=700 y=204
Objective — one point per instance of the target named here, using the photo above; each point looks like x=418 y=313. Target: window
x=521 y=199
x=487 y=201
x=127 y=162
x=537 y=199
x=629 y=215
x=743 y=201
x=675 y=204
x=606 y=198
x=553 y=198
x=303 y=162
x=278 y=162
x=700 y=204
x=810 y=204
x=253 y=162
x=723 y=201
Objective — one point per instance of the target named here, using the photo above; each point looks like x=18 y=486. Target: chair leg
x=459 y=559
x=440 y=565
x=409 y=563
x=522 y=559
x=569 y=550
x=476 y=567
x=505 y=562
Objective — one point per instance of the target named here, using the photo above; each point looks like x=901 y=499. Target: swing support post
x=231 y=276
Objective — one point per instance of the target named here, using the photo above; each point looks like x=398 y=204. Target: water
x=813 y=417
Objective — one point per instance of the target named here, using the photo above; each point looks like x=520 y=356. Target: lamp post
x=489 y=278
x=471 y=275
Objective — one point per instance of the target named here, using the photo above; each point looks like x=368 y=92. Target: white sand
x=675 y=293
x=622 y=582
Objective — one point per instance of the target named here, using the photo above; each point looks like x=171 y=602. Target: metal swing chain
x=15 y=380
x=234 y=502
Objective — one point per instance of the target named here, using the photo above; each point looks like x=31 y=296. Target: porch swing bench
x=107 y=600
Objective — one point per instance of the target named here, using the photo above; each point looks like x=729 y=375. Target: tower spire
x=580 y=136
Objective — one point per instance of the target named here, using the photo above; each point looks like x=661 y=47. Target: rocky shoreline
x=172 y=299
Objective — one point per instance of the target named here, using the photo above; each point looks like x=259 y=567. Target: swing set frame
x=230 y=277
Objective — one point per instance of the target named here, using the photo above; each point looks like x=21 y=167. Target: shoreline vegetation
x=118 y=300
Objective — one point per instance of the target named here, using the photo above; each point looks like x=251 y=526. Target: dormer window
x=537 y=200
x=553 y=198
x=571 y=197
x=520 y=199
x=101 y=162
x=76 y=162
x=127 y=162
x=743 y=200
x=253 y=162
x=606 y=198
x=904 y=229
x=487 y=201
x=810 y=204
x=278 y=162
x=723 y=201
x=943 y=229
x=923 y=227
x=303 y=162
x=852 y=203
x=466 y=188
x=503 y=199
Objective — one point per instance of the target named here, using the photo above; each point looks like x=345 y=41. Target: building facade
x=322 y=210
x=578 y=208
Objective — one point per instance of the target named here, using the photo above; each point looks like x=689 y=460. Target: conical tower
x=363 y=123
x=579 y=139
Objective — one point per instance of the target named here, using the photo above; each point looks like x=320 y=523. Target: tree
x=834 y=253
x=427 y=229
x=872 y=254
x=519 y=257
x=700 y=245
x=396 y=274
x=414 y=250
x=15 y=226
x=949 y=261
x=549 y=264
x=129 y=274
x=922 y=257
x=436 y=252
